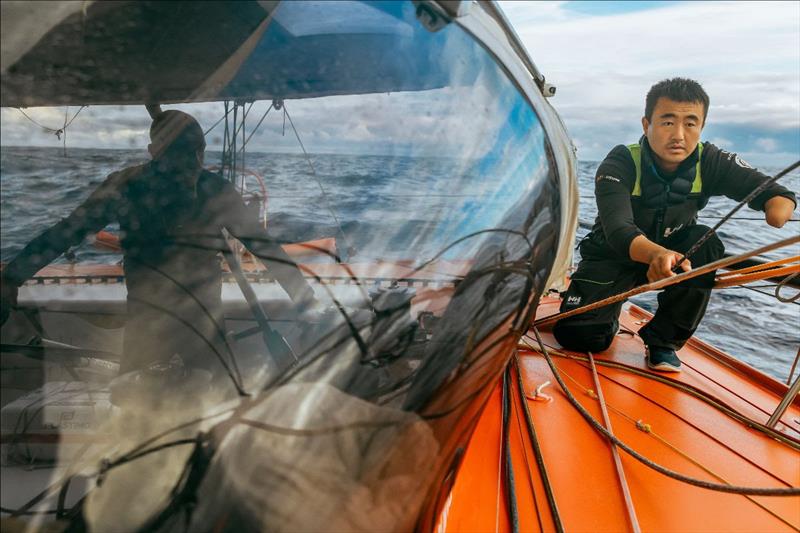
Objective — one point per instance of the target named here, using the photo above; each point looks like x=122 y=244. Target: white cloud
x=746 y=55
x=722 y=142
x=767 y=144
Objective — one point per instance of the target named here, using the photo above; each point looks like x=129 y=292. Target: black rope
x=733 y=489
x=758 y=190
x=528 y=468
x=508 y=469
x=761 y=219
x=258 y=125
x=537 y=450
x=780 y=285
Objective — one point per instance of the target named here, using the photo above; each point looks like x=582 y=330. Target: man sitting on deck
x=648 y=195
x=171 y=214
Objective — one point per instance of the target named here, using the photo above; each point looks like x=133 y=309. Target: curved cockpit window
x=304 y=302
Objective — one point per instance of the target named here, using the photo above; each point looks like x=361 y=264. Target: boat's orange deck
x=688 y=435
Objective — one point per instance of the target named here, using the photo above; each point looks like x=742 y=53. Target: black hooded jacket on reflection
x=171 y=237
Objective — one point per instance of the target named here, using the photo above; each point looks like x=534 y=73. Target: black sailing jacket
x=622 y=216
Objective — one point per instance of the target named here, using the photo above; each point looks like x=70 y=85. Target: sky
x=602 y=57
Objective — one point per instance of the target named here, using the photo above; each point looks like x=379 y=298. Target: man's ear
x=645 y=125
x=152 y=150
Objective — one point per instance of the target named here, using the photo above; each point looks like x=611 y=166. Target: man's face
x=674 y=131
x=184 y=162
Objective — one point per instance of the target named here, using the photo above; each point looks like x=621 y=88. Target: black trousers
x=680 y=307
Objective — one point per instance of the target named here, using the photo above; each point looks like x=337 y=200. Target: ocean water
x=38 y=186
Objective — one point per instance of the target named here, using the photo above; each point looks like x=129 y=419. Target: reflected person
x=171 y=214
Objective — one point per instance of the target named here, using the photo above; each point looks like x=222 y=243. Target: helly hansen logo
x=573 y=300
x=609 y=178
x=736 y=159
x=670 y=231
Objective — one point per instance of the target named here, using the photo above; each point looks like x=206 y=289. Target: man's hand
x=8 y=300
x=660 y=260
x=778 y=210
x=662 y=264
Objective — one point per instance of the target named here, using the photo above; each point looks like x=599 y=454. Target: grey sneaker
x=662 y=359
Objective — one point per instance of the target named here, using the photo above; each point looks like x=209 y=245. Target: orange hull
x=688 y=435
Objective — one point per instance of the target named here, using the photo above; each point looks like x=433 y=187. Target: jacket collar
x=686 y=169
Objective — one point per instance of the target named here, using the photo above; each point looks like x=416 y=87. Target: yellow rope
x=764 y=266
x=736 y=278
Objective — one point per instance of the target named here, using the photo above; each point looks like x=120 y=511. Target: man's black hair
x=677 y=90
x=174 y=130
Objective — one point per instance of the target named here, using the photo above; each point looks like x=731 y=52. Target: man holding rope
x=648 y=196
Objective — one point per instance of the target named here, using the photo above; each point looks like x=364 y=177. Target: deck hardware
x=787 y=399
x=538 y=395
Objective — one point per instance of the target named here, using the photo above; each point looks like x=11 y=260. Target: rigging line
x=755 y=192
x=245 y=112
x=136 y=452
x=223 y=117
x=735 y=278
x=508 y=467
x=78 y=112
x=146 y=451
x=64 y=129
x=647 y=428
x=755 y=491
x=244 y=131
x=316 y=178
x=232 y=147
x=47 y=492
x=446 y=411
x=537 y=450
x=688 y=422
x=499 y=484
x=794 y=365
x=730 y=391
x=183 y=425
x=626 y=491
x=525 y=453
x=758 y=291
x=469 y=236
x=295 y=432
x=700 y=395
x=760 y=219
x=47 y=128
x=763 y=266
x=258 y=125
x=325 y=197
x=665 y=282
x=781 y=284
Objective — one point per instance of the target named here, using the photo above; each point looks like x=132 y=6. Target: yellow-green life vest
x=636 y=154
